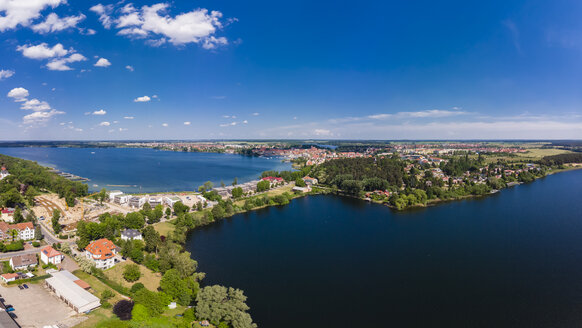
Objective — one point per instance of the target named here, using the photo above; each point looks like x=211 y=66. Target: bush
x=107 y=294
x=136 y=287
x=105 y=304
x=131 y=272
x=35 y=244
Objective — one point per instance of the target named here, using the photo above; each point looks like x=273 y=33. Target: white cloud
x=187 y=123
x=128 y=117
x=100 y=112
x=228 y=124
x=35 y=105
x=54 y=24
x=40 y=117
x=255 y=114
x=22 y=12
x=104 y=13
x=431 y=113
x=61 y=63
x=154 y=24
x=245 y=122
x=129 y=68
x=142 y=99
x=165 y=125
x=115 y=122
x=102 y=62
x=122 y=129
x=322 y=132
x=19 y=94
x=4 y=74
x=42 y=51
x=104 y=124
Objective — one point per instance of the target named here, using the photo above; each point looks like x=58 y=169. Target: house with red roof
x=24 y=231
x=8 y=277
x=7 y=214
x=51 y=255
x=102 y=252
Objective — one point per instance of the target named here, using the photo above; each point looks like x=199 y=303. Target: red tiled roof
x=19 y=226
x=9 y=275
x=82 y=284
x=101 y=248
x=49 y=251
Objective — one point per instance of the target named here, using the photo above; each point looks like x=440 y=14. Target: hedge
x=33 y=279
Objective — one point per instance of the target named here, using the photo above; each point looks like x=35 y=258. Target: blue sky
x=87 y=70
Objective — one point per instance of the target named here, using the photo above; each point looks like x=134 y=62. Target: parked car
x=25 y=286
x=9 y=309
x=20 y=287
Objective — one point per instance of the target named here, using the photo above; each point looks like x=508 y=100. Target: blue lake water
x=513 y=259
x=148 y=170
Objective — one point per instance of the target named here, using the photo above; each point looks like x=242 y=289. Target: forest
x=27 y=178
x=562 y=159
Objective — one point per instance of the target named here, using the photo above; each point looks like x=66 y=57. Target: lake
x=148 y=170
x=513 y=259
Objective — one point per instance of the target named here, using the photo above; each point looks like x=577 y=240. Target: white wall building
x=64 y=285
x=51 y=255
x=102 y=252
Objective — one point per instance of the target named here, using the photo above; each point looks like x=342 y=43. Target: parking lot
x=37 y=307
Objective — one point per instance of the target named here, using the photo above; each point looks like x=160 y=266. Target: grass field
x=164 y=228
x=97 y=286
x=95 y=317
x=532 y=154
x=271 y=193
x=148 y=278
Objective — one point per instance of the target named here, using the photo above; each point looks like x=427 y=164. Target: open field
x=148 y=278
x=533 y=154
x=164 y=228
x=95 y=317
x=97 y=286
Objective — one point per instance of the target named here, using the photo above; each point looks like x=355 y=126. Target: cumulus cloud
x=142 y=99
x=35 y=105
x=128 y=117
x=23 y=12
x=155 y=25
x=18 y=94
x=228 y=124
x=104 y=13
x=100 y=112
x=54 y=24
x=42 y=111
x=129 y=68
x=187 y=123
x=165 y=125
x=42 y=51
x=245 y=122
x=255 y=114
x=102 y=62
x=322 y=132
x=57 y=54
x=37 y=118
x=4 y=74
x=104 y=123
x=61 y=64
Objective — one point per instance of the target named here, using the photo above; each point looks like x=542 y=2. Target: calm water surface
x=513 y=259
x=148 y=170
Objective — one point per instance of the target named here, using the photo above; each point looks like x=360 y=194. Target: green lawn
x=164 y=228
x=148 y=278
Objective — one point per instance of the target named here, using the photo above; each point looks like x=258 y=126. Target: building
x=51 y=255
x=171 y=200
x=121 y=199
x=114 y=193
x=102 y=252
x=7 y=215
x=3 y=172
x=68 y=288
x=25 y=231
x=310 y=181
x=155 y=201
x=136 y=201
x=131 y=234
x=23 y=262
x=8 y=277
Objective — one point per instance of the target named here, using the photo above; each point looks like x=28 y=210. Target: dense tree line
x=27 y=178
x=356 y=174
x=561 y=159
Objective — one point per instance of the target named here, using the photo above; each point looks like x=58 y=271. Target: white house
x=136 y=201
x=171 y=200
x=7 y=215
x=25 y=230
x=155 y=201
x=3 y=173
x=131 y=234
x=114 y=193
x=8 y=277
x=102 y=252
x=22 y=262
x=51 y=255
x=121 y=199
